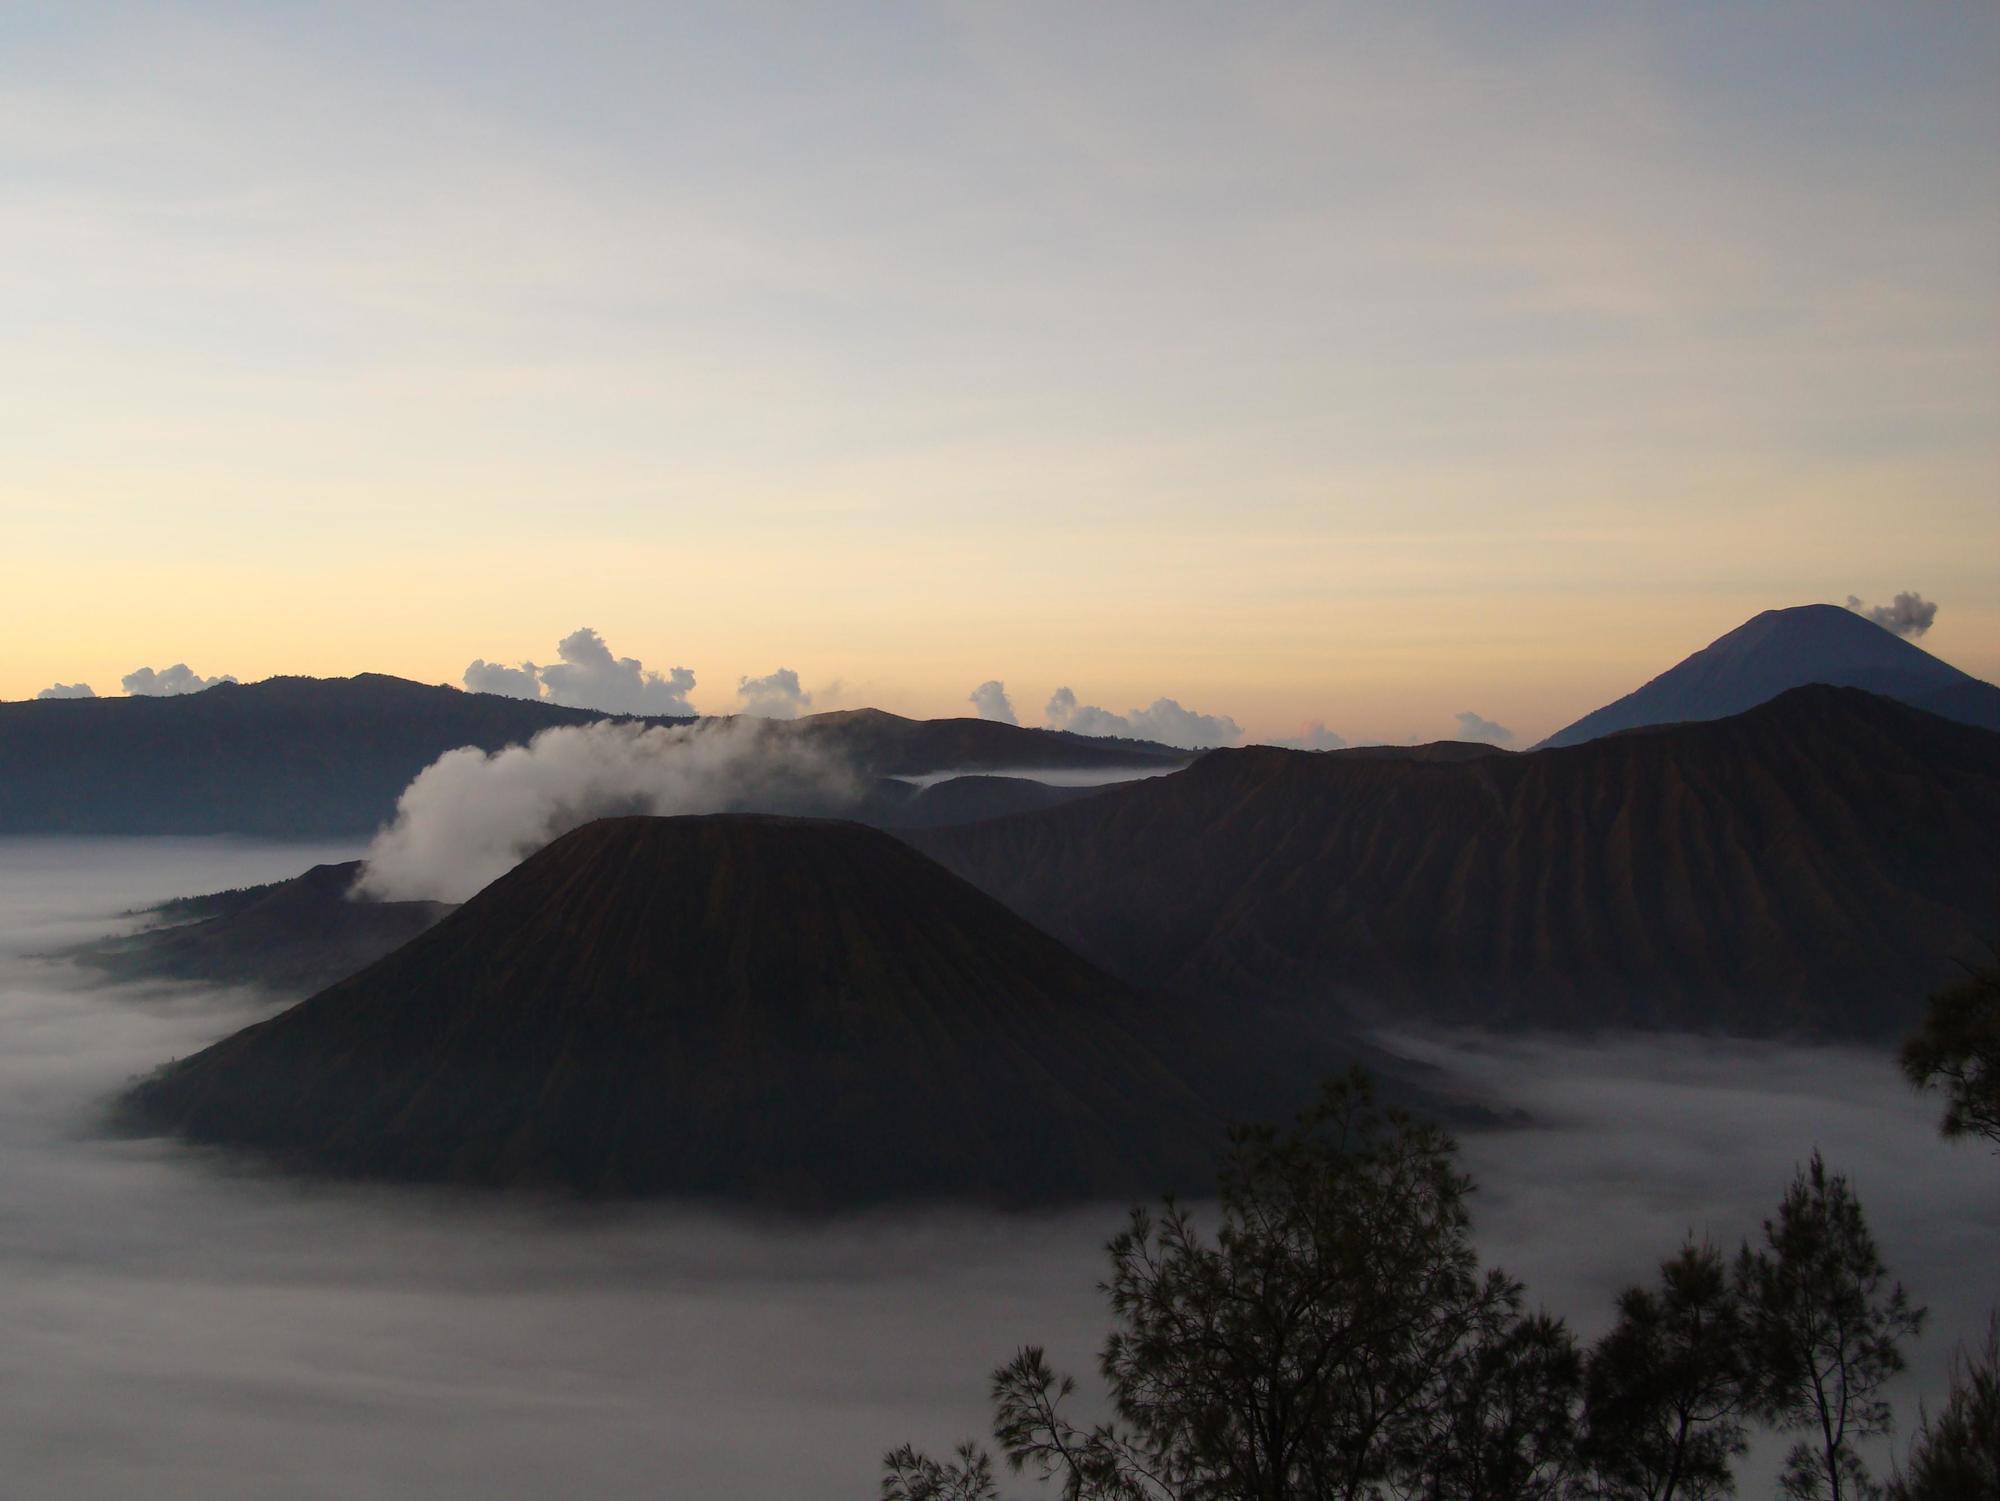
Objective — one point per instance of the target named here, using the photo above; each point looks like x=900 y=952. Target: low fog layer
x=1637 y=1142
x=186 y=1326
x=470 y=816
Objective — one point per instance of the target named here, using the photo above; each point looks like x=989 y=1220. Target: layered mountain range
x=293 y=757
x=1813 y=866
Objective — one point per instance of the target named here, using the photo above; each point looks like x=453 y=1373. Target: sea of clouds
x=187 y=1325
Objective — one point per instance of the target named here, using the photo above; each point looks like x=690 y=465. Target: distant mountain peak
x=1789 y=648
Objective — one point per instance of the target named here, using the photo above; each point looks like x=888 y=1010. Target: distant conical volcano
x=751 y=1008
x=1779 y=650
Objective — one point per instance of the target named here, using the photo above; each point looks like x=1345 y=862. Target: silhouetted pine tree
x=1826 y=1329
x=1668 y=1386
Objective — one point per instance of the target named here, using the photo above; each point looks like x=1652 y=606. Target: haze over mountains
x=772 y=1010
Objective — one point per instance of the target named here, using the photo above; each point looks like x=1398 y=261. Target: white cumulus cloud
x=1164 y=721
x=1477 y=727
x=1314 y=736
x=777 y=696
x=587 y=675
x=68 y=690
x=990 y=701
x=524 y=681
x=168 y=682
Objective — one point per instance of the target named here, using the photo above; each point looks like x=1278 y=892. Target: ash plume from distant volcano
x=1909 y=614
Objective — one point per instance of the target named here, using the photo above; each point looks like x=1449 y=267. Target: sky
x=1367 y=365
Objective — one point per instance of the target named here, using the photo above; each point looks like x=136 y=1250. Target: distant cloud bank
x=587 y=676
x=990 y=701
x=1477 y=727
x=1311 y=737
x=167 y=683
x=1908 y=615
x=777 y=696
x=68 y=690
x=1165 y=721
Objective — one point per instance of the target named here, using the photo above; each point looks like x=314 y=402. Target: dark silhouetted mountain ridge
x=292 y=757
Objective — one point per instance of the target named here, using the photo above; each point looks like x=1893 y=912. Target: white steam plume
x=169 y=682
x=1165 y=721
x=991 y=701
x=470 y=817
x=1909 y=615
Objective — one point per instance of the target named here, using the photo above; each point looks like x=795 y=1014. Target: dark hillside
x=293 y=757
x=1813 y=866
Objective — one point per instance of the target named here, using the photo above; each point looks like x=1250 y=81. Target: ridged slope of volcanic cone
x=1815 y=866
x=741 y=1007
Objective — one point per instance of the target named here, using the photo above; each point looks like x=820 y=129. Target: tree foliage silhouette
x=1335 y=1339
x=1955 y=1455
x=1957 y=1050
x=1668 y=1386
x=1825 y=1330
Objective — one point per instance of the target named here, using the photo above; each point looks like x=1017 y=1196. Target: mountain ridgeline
x=293 y=757
x=780 y=1011
x=1814 y=866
